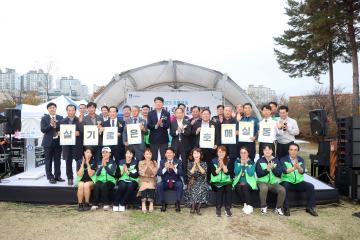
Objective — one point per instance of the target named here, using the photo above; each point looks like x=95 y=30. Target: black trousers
x=155 y=147
x=244 y=192
x=118 y=152
x=125 y=193
x=209 y=155
x=102 y=193
x=282 y=149
x=300 y=187
x=69 y=169
x=251 y=146
x=52 y=154
x=261 y=145
x=223 y=196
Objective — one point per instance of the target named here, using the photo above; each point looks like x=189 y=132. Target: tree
x=314 y=42
x=31 y=98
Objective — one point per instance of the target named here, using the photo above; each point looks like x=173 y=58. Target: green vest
x=147 y=137
x=125 y=176
x=104 y=176
x=78 y=178
x=293 y=177
x=251 y=180
x=221 y=179
x=270 y=178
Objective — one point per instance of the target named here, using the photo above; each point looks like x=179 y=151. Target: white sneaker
x=264 y=210
x=121 y=208
x=278 y=211
x=248 y=209
x=106 y=208
x=115 y=208
x=93 y=208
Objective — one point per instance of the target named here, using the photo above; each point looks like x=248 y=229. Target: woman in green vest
x=85 y=169
x=244 y=180
x=128 y=181
x=221 y=181
x=105 y=180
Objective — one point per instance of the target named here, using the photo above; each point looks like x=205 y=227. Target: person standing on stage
x=72 y=152
x=159 y=123
x=220 y=114
x=126 y=113
x=145 y=113
x=105 y=113
x=274 y=111
x=50 y=126
x=289 y=130
x=82 y=112
x=239 y=112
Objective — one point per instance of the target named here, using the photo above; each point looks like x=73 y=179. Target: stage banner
x=267 y=132
x=228 y=133
x=246 y=131
x=207 y=138
x=133 y=132
x=67 y=134
x=203 y=99
x=110 y=136
x=91 y=135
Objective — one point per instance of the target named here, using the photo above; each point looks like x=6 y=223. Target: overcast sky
x=93 y=40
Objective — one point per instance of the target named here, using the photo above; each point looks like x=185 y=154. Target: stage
x=33 y=187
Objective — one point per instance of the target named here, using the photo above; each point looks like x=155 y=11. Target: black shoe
x=228 y=213
x=287 y=212
x=192 y=210
x=198 y=206
x=312 y=212
x=81 y=207
x=87 y=207
x=218 y=211
x=177 y=207
x=52 y=181
x=70 y=182
x=59 y=179
x=163 y=207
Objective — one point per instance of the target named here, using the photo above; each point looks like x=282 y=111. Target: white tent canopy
x=172 y=76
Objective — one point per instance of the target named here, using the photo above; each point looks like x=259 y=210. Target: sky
x=93 y=40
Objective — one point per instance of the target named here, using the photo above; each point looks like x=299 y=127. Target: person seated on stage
x=105 y=180
x=292 y=177
x=197 y=192
x=128 y=181
x=170 y=171
x=86 y=178
x=147 y=174
x=221 y=181
x=245 y=180
x=268 y=170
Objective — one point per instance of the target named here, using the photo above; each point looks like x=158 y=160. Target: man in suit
x=93 y=119
x=117 y=151
x=180 y=131
x=72 y=152
x=204 y=122
x=159 y=123
x=50 y=126
x=126 y=113
x=195 y=116
x=105 y=113
x=136 y=119
x=220 y=114
x=170 y=171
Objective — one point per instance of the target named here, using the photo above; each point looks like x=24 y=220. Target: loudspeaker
x=343 y=179
x=318 y=122
x=323 y=155
x=13 y=120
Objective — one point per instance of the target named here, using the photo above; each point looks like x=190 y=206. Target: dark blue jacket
x=48 y=130
x=277 y=171
x=159 y=135
x=170 y=174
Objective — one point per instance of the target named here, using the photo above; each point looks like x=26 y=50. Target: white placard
x=67 y=134
x=228 y=133
x=110 y=136
x=133 y=132
x=267 y=132
x=207 y=138
x=246 y=131
x=91 y=135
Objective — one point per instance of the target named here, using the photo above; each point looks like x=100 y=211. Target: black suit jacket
x=120 y=125
x=197 y=136
x=232 y=148
x=75 y=151
x=159 y=135
x=49 y=131
x=185 y=136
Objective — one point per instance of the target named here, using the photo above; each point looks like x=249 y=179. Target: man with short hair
x=289 y=128
x=170 y=171
x=293 y=169
x=105 y=113
x=72 y=152
x=220 y=114
x=159 y=123
x=50 y=126
x=145 y=113
x=82 y=112
x=126 y=113
x=274 y=110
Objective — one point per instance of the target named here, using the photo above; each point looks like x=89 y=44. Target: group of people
x=183 y=164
